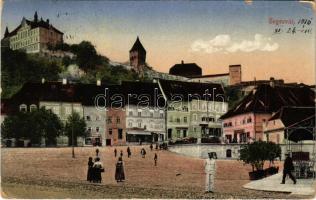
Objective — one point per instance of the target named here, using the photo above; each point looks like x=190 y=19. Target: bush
x=257 y=153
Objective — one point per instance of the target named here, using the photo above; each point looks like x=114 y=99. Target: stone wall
x=202 y=150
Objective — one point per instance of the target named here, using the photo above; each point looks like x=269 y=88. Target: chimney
x=98 y=82
x=182 y=62
x=43 y=80
x=272 y=82
x=64 y=81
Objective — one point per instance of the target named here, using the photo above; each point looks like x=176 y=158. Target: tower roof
x=137 y=46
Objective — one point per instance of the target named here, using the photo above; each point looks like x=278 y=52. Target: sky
x=213 y=34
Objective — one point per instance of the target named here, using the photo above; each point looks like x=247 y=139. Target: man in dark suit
x=288 y=168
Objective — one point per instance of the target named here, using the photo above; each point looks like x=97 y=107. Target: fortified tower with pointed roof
x=137 y=57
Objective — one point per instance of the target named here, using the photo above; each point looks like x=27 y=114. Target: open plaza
x=53 y=173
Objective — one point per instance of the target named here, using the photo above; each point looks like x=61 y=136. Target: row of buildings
x=169 y=110
x=131 y=111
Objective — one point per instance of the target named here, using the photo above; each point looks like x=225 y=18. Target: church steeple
x=35 y=17
x=6 y=33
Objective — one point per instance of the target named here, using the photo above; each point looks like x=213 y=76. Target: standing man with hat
x=210 y=170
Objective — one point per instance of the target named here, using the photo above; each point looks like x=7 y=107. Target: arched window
x=23 y=108
x=33 y=107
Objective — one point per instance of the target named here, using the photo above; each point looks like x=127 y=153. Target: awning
x=138 y=132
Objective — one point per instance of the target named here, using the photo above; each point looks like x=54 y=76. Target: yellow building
x=33 y=36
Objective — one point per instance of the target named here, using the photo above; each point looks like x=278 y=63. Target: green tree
x=75 y=125
x=32 y=125
x=49 y=125
x=17 y=68
x=258 y=152
x=86 y=55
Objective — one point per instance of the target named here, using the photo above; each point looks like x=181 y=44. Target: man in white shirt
x=210 y=170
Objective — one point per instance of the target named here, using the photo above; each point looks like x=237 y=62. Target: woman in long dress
x=90 y=175
x=119 y=172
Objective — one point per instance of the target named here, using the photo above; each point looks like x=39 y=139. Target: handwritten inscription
x=291 y=26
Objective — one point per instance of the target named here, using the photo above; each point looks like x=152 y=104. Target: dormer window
x=33 y=107
x=23 y=108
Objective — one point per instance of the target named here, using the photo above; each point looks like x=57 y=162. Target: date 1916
x=301 y=26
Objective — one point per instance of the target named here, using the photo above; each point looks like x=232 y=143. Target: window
x=139 y=124
x=23 y=108
x=109 y=121
x=151 y=114
x=161 y=115
x=170 y=119
x=97 y=129
x=194 y=129
x=120 y=133
x=185 y=119
x=178 y=120
x=185 y=109
x=33 y=107
x=130 y=124
x=178 y=133
x=97 y=118
x=249 y=120
x=195 y=117
x=169 y=133
x=110 y=131
x=184 y=133
x=139 y=114
x=88 y=118
x=89 y=129
x=130 y=113
x=118 y=120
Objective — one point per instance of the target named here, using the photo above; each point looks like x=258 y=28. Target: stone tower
x=137 y=57
x=234 y=74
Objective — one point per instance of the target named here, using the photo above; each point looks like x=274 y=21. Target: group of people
x=95 y=169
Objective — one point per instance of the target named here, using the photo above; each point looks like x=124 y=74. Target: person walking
x=97 y=152
x=121 y=154
x=90 y=174
x=210 y=170
x=129 y=153
x=155 y=159
x=288 y=168
x=119 y=171
x=151 y=146
x=98 y=169
x=143 y=152
x=115 y=152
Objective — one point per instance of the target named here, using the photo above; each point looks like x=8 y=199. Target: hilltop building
x=33 y=36
x=193 y=73
x=137 y=57
x=186 y=69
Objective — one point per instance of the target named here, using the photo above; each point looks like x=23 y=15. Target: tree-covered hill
x=17 y=67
